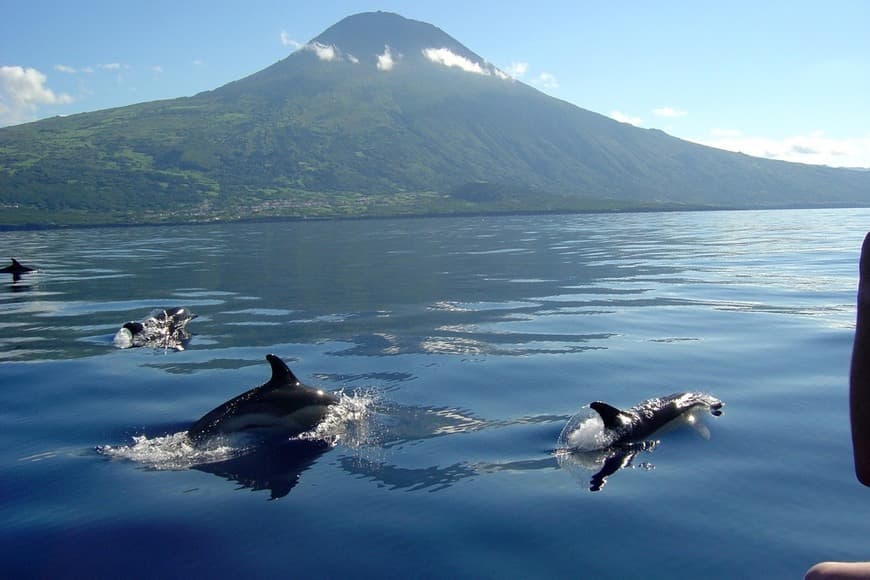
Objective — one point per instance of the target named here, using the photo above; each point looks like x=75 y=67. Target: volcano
x=378 y=115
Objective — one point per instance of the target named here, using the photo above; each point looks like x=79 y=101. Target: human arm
x=859 y=376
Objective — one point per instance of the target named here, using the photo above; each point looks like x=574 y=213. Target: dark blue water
x=461 y=347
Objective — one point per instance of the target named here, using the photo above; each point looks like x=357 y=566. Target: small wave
x=585 y=431
x=350 y=423
x=170 y=452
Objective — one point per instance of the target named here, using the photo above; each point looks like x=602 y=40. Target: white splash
x=350 y=423
x=585 y=431
x=170 y=452
x=123 y=339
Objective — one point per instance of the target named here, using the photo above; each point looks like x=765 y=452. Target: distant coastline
x=408 y=215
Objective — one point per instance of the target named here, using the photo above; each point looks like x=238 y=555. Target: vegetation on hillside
x=309 y=138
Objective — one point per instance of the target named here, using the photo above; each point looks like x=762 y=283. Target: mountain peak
x=370 y=37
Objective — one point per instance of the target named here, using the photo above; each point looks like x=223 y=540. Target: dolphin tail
x=613 y=418
x=281 y=373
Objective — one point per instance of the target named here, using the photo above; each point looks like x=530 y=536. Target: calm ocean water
x=461 y=347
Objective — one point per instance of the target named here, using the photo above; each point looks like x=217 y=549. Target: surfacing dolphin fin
x=16 y=268
x=282 y=405
x=613 y=418
x=281 y=373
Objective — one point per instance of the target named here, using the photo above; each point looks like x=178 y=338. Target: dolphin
x=282 y=405
x=639 y=422
x=16 y=268
x=164 y=328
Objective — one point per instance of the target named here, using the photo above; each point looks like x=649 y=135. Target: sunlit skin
x=859 y=379
x=859 y=409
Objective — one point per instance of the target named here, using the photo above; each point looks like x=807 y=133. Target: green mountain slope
x=343 y=137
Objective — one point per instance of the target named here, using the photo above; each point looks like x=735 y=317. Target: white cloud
x=108 y=67
x=287 y=41
x=450 y=59
x=815 y=148
x=502 y=75
x=156 y=69
x=329 y=52
x=668 y=112
x=385 y=61
x=326 y=52
x=199 y=62
x=623 y=118
x=22 y=92
x=518 y=69
x=546 y=80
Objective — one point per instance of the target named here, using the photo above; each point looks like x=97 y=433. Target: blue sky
x=780 y=79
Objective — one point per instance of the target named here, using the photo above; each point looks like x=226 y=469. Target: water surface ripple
x=461 y=346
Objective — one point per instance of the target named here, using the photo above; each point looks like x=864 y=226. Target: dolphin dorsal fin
x=281 y=373
x=613 y=418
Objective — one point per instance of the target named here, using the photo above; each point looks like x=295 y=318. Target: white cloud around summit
x=450 y=59
x=325 y=52
x=385 y=60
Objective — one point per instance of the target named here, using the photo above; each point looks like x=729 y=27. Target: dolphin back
x=282 y=395
x=210 y=423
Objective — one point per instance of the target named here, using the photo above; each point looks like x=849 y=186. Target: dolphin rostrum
x=281 y=405
x=642 y=420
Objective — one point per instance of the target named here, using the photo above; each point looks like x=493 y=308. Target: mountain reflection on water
x=475 y=339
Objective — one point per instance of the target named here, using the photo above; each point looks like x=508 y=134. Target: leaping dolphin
x=282 y=405
x=16 y=268
x=644 y=419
